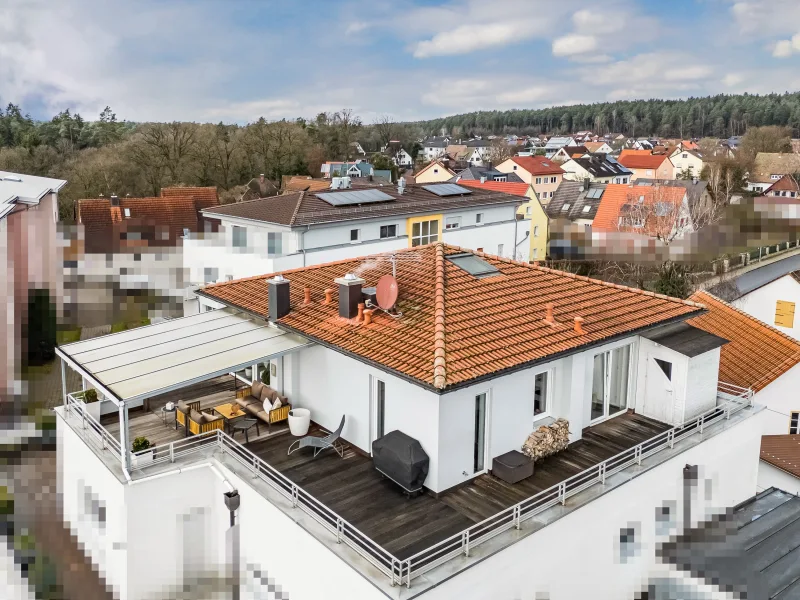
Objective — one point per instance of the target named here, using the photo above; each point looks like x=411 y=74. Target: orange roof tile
x=757 y=353
x=515 y=189
x=207 y=195
x=641 y=161
x=538 y=165
x=619 y=195
x=456 y=328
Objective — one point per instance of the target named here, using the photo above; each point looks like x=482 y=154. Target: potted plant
x=140 y=456
x=91 y=403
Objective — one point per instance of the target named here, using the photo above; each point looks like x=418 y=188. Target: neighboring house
x=531 y=211
x=770 y=293
x=785 y=187
x=770 y=167
x=294 y=230
x=134 y=246
x=686 y=162
x=640 y=144
x=434 y=172
x=486 y=173
x=399 y=156
x=576 y=201
x=30 y=270
x=543 y=174
x=356 y=169
x=478 y=151
x=697 y=193
x=567 y=152
x=554 y=144
x=477 y=353
x=597 y=169
x=644 y=164
x=260 y=187
x=583 y=136
x=767 y=361
x=655 y=211
x=433 y=148
x=598 y=147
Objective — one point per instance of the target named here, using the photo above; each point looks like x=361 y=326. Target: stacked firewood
x=547 y=440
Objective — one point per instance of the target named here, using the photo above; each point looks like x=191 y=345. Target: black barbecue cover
x=401 y=458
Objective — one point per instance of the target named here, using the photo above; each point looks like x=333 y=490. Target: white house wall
x=769 y=476
x=338 y=234
x=701 y=384
x=761 y=303
x=780 y=397
x=578 y=556
x=680 y=367
x=332 y=384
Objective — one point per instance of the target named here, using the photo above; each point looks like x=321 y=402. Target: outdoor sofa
x=252 y=401
x=194 y=421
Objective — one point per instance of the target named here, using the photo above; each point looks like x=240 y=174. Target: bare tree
x=499 y=151
x=386 y=130
x=173 y=143
x=346 y=125
x=655 y=212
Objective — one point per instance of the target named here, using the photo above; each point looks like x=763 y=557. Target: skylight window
x=473 y=265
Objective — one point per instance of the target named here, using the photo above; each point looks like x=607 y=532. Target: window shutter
x=784 y=313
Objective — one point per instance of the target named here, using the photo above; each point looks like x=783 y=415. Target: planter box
x=93 y=410
x=143 y=459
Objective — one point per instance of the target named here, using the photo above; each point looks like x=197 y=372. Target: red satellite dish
x=386 y=292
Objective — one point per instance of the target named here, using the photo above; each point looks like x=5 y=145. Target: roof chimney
x=483 y=179
x=401 y=185
x=114 y=200
x=349 y=294
x=277 y=297
x=586 y=183
x=550 y=318
x=579 y=326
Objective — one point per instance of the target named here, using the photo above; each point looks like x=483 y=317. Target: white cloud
x=469 y=38
x=574 y=43
x=490 y=92
x=785 y=48
x=355 y=27
x=732 y=79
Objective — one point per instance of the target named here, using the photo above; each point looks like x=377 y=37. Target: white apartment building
x=471 y=355
x=308 y=228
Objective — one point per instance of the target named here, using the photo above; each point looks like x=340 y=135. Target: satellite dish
x=386 y=292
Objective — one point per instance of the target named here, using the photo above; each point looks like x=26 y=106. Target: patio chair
x=320 y=443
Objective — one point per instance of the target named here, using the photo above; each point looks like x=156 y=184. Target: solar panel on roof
x=446 y=189
x=357 y=197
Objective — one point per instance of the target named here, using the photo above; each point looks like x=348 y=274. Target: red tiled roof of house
x=641 y=161
x=631 y=152
x=171 y=214
x=482 y=326
x=782 y=451
x=594 y=146
x=787 y=183
x=757 y=353
x=538 y=165
x=515 y=189
x=619 y=195
x=206 y=196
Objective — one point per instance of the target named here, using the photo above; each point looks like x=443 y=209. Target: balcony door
x=610 y=383
x=480 y=442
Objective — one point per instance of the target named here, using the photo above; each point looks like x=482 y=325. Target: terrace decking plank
x=352 y=488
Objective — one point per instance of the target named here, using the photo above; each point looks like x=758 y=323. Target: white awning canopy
x=154 y=359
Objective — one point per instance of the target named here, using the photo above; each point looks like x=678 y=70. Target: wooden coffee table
x=230 y=412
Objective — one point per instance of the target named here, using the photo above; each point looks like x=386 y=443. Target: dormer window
x=126 y=212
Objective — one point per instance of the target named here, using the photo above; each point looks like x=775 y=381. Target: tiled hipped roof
x=456 y=328
x=757 y=353
x=782 y=451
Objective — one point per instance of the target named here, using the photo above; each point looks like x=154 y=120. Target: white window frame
x=425 y=238
x=479 y=218
x=358 y=236
x=548 y=399
x=632 y=358
x=536 y=231
x=452 y=222
x=277 y=243
x=238 y=236
x=794 y=429
x=387 y=237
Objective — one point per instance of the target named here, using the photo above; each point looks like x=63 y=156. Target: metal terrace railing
x=74 y=405
x=731 y=399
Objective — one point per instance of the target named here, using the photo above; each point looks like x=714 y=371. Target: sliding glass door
x=610 y=382
x=479 y=442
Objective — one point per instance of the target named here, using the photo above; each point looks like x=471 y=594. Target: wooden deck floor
x=148 y=422
x=352 y=488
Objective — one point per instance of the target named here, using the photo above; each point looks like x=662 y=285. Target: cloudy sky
x=236 y=60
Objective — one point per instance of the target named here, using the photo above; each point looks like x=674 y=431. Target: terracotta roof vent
x=367 y=316
x=328 y=296
x=307 y=295
x=579 y=326
x=550 y=319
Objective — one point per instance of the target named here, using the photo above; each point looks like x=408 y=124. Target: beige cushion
x=207 y=418
x=183 y=407
x=276 y=404
x=255 y=389
x=196 y=416
x=268 y=394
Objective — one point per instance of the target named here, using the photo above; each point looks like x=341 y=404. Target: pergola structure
x=131 y=366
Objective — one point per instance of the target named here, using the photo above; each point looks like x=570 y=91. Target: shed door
x=658 y=397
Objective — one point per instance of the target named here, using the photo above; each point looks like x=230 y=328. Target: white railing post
x=408 y=573
x=339 y=530
x=83 y=417
x=172 y=452
x=638 y=454
x=517 y=516
x=255 y=467
x=603 y=473
x=294 y=496
x=562 y=493
x=701 y=423
x=465 y=542
x=671 y=438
